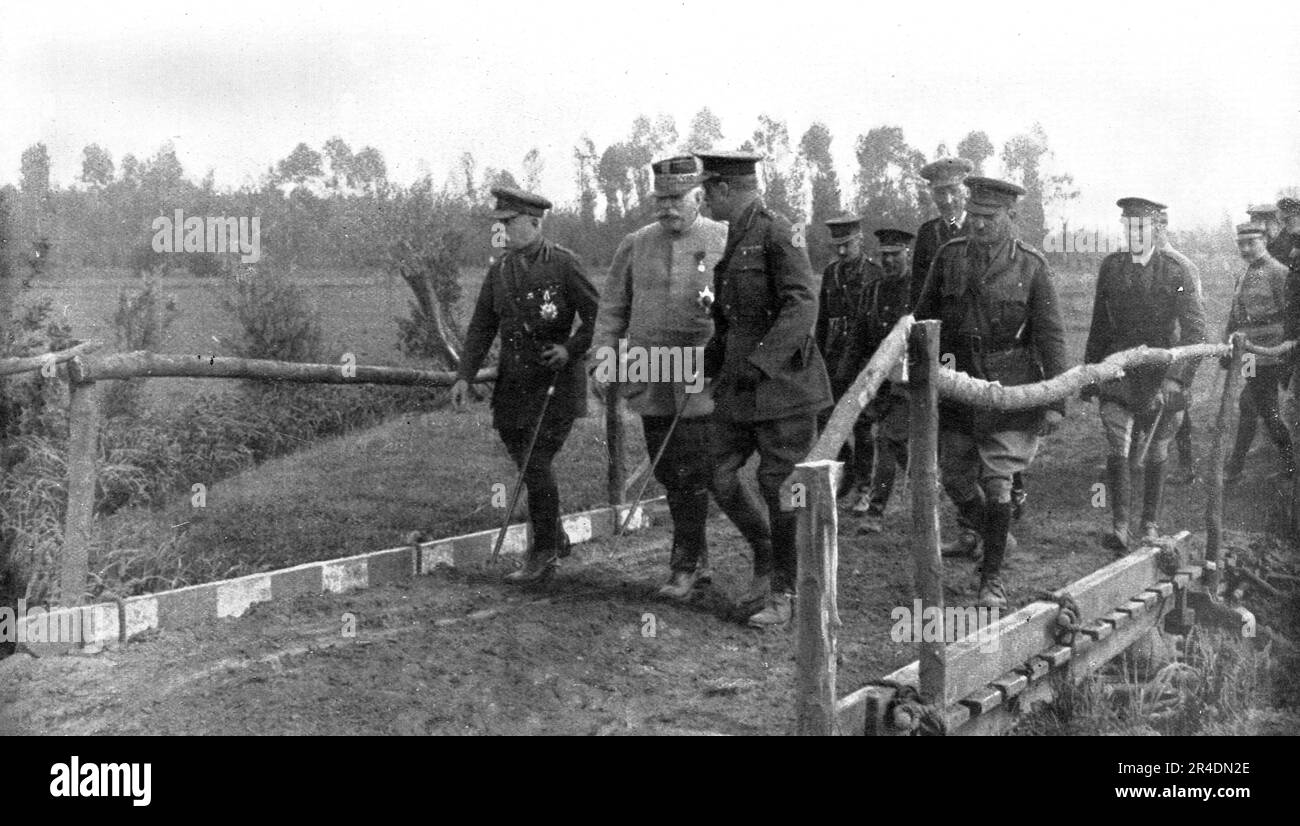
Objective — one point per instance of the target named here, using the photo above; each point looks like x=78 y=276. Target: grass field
x=434 y=470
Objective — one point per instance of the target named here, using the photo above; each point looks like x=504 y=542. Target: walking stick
x=519 y=482
x=659 y=454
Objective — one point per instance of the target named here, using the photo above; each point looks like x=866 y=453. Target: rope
x=909 y=712
x=1068 y=619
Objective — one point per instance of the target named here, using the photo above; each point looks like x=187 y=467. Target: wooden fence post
x=816 y=617
x=1214 y=497
x=83 y=427
x=922 y=469
x=616 y=478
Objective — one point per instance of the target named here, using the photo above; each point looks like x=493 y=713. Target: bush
x=140 y=323
x=276 y=319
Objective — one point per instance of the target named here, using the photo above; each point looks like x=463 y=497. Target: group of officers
x=781 y=345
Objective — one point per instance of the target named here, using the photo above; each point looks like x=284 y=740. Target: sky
x=1194 y=106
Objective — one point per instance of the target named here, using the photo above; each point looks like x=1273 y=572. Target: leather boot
x=1120 y=482
x=538 y=567
x=775 y=612
x=970 y=518
x=997 y=523
x=1153 y=495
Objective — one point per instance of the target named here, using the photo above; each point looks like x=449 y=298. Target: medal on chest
x=705 y=298
x=548 y=309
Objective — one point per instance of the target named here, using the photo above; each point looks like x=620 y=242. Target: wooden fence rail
x=962 y=672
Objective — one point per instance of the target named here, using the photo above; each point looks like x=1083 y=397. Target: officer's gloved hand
x=459 y=394
x=1089 y=392
x=555 y=356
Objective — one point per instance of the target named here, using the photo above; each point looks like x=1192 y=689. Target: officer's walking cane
x=1140 y=459
x=659 y=454
x=519 y=482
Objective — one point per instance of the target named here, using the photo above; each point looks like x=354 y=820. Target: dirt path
x=461 y=654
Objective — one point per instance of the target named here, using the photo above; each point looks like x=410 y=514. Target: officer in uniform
x=531 y=296
x=660 y=295
x=885 y=301
x=1277 y=241
x=1145 y=296
x=1289 y=212
x=770 y=380
x=1001 y=322
x=945 y=177
x=1183 y=439
x=843 y=283
x=1258 y=311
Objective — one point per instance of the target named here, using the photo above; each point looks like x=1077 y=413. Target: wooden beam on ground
x=817 y=616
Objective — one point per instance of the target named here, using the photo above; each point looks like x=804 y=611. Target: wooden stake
x=615 y=437
x=923 y=479
x=817 y=618
x=82 y=449
x=1214 y=497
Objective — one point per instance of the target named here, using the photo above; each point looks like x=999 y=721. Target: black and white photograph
x=696 y=369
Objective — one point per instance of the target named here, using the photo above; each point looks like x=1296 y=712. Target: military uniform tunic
x=1157 y=305
x=843 y=284
x=764 y=314
x=659 y=294
x=1001 y=321
x=532 y=296
x=933 y=234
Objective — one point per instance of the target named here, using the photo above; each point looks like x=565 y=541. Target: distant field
x=358 y=311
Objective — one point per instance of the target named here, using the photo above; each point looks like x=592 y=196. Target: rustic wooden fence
x=85 y=368
x=978 y=684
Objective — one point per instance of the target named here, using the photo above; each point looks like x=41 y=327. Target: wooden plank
x=1118 y=618
x=1134 y=608
x=1100 y=592
x=923 y=482
x=982 y=700
x=817 y=617
x=1011 y=684
x=1028 y=631
x=1058 y=655
x=1163 y=590
x=1097 y=630
x=1036 y=668
x=1001 y=719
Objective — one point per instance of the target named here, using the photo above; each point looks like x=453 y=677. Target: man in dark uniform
x=1289 y=212
x=531 y=296
x=885 y=301
x=945 y=177
x=1001 y=322
x=1145 y=296
x=1258 y=311
x=770 y=380
x=659 y=298
x=843 y=283
x=1277 y=240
